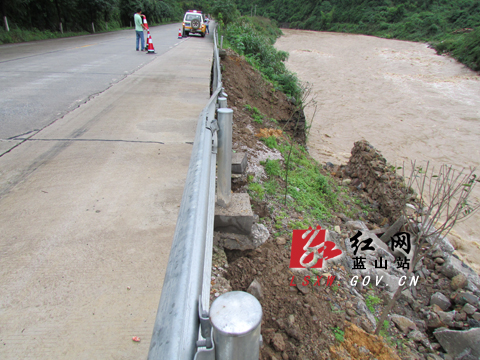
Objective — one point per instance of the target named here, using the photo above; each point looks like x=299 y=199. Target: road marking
x=78 y=47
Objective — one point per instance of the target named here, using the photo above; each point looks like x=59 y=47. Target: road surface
x=43 y=80
x=89 y=200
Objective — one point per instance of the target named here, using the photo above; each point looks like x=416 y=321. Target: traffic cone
x=180 y=36
x=145 y=22
x=151 y=49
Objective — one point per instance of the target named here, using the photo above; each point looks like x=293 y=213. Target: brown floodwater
x=400 y=96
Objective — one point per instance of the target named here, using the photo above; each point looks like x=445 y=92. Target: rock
x=441 y=300
x=442 y=243
x=461 y=316
x=433 y=321
x=407 y=296
x=303 y=289
x=469 y=309
x=293 y=332
x=337 y=229
x=473 y=323
x=448 y=318
x=416 y=335
x=260 y=234
x=459 y=281
x=455 y=341
x=281 y=241
x=439 y=261
x=433 y=357
x=356 y=225
x=475 y=316
x=453 y=266
x=278 y=342
x=403 y=323
x=233 y=241
x=390 y=281
x=463 y=298
x=367 y=325
x=291 y=319
x=255 y=289
x=346 y=181
x=351 y=312
x=363 y=311
x=421 y=325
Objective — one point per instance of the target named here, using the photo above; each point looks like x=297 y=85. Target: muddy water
x=408 y=102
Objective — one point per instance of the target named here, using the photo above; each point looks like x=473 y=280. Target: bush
x=254 y=38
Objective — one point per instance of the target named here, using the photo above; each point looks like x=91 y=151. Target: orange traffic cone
x=151 y=49
x=180 y=36
x=145 y=22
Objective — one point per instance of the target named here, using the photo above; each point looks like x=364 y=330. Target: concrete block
x=237 y=218
x=239 y=162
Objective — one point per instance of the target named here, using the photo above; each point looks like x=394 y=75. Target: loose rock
x=441 y=300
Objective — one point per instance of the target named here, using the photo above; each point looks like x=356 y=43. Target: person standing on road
x=207 y=22
x=139 y=28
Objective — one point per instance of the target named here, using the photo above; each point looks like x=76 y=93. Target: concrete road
x=41 y=81
x=88 y=207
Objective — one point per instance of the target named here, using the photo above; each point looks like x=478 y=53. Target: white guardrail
x=186 y=327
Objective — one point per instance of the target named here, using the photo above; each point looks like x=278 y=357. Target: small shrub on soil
x=339 y=334
x=271 y=142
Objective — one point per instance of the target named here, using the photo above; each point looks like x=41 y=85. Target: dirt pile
x=247 y=90
x=369 y=171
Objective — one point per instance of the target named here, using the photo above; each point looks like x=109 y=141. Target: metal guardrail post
x=236 y=318
x=222 y=102
x=224 y=157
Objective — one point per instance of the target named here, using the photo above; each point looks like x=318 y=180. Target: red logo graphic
x=309 y=249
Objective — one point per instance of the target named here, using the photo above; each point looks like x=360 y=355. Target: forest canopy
x=449 y=25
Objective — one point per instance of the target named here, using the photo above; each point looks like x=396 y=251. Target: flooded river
x=408 y=102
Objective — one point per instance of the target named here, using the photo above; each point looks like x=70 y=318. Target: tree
x=226 y=10
x=442 y=200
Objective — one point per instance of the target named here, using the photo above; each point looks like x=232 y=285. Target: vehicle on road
x=194 y=23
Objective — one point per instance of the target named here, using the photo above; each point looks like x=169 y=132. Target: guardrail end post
x=236 y=319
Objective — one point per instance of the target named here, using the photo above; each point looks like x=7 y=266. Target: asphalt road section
x=88 y=208
x=44 y=80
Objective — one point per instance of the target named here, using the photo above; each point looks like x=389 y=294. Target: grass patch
x=371 y=301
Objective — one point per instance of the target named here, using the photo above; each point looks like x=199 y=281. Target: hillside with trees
x=43 y=19
x=449 y=25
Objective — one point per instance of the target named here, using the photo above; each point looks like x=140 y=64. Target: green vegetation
x=339 y=334
x=440 y=22
x=371 y=301
x=37 y=20
x=271 y=142
x=256 y=114
x=253 y=37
